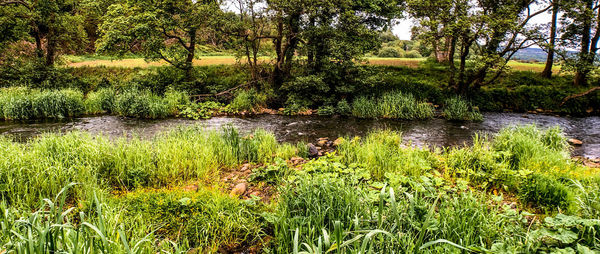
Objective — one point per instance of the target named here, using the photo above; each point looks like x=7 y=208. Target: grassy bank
x=515 y=192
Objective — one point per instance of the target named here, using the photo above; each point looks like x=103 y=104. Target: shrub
x=389 y=52
x=174 y=100
x=247 y=101
x=546 y=192
x=457 y=109
x=306 y=91
x=343 y=108
x=326 y=111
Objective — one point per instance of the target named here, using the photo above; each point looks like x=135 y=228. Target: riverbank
x=205 y=191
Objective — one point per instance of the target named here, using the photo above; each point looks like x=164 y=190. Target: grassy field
x=133 y=62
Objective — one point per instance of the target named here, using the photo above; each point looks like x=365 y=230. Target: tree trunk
x=189 y=61
x=547 y=73
x=582 y=69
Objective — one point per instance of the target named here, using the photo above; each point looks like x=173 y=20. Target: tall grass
x=55 y=228
x=396 y=105
x=205 y=219
x=458 y=109
x=382 y=152
x=100 y=101
x=24 y=104
x=247 y=101
x=528 y=147
x=38 y=169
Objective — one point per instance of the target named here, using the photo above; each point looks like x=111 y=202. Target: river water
x=434 y=132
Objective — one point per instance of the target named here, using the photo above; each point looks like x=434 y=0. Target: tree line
x=475 y=40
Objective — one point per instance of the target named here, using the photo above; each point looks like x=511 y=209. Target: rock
x=238 y=190
x=245 y=167
x=322 y=142
x=539 y=110
x=312 y=150
x=296 y=160
x=338 y=141
x=575 y=142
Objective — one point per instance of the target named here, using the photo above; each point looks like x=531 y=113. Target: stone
x=322 y=142
x=575 y=142
x=338 y=141
x=312 y=150
x=245 y=167
x=238 y=190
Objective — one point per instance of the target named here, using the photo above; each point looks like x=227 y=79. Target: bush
x=306 y=91
x=458 y=109
x=326 y=111
x=247 y=101
x=389 y=52
x=343 y=108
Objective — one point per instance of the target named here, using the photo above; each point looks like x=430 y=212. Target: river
x=434 y=132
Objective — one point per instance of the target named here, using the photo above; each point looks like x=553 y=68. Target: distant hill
x=530 y=54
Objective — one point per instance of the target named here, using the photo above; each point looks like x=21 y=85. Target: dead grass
x=226 y=60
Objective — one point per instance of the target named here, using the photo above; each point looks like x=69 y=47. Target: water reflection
x=435 y=132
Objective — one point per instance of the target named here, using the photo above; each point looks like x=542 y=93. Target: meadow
x=137 y=62
x=180 y=192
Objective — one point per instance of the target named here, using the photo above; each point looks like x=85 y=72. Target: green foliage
x=326 y=111
x=247 y=101
x=457 y=109
x=200 y=110
x=55 y=228
x=101 y=101
x=343 y=108
x=396 y=105
x=310 y=89
x=529 y=148
x=52 y=161
x=547 y=192
x=24 y=104
x=141 y=104
x=205 y=219
x=382 y=153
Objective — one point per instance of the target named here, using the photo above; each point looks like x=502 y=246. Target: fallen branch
x=198 y=97
x=579 y=95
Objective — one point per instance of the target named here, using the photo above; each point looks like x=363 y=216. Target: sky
x=404 y=26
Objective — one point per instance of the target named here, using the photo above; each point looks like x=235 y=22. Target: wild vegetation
x=191 y=190
x=515 y=192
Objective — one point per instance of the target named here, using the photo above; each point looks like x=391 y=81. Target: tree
x=547 y=72
x=581 y=22
x=166 y=30
x=483 y=34
x=54 y=26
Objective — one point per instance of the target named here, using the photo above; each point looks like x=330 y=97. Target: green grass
x=395 y=105
x=52 y=161
x=457 y=109
x=503 y=194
